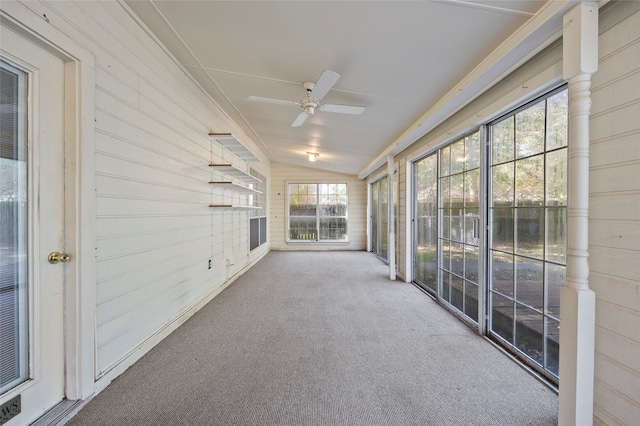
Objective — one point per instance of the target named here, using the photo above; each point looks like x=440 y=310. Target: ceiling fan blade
x=272 y=101
x=300 y=119
x=324 y=84
x=342 y=109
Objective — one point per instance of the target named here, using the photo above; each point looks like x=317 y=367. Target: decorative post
x=391 y=241
x=577 y=333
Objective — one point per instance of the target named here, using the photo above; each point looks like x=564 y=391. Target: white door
x=32 y=220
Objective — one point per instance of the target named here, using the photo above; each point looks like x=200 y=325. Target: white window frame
x=260 y=201
x=288 y=239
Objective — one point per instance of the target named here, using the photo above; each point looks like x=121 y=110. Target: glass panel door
x=383 y=218
x=527 y=214
x=14 y=328
x=32 y=213
x=459 y=231
x=426 y=223
x=380 y=217
x=375 y=188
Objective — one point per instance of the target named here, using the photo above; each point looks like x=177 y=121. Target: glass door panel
x=374 y=216
x=426 y=223
x=459 y=237
x=380 y=217
x=527 y=215
x=383 y=215
x=13 y=229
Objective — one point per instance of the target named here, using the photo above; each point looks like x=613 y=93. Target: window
x=258 y=217
x=317 y=211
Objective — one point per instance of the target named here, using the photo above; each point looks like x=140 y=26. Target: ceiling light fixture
x=313 y=156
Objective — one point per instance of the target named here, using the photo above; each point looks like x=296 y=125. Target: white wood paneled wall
x=281 y=174
x=155 y=231
x=614 y=221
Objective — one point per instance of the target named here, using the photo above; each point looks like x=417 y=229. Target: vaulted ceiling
x=409 y=63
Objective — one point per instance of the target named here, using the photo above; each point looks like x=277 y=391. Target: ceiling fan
x=315 y=92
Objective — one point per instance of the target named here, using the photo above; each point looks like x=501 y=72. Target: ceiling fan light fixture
x=315 y=93
x=313 y=156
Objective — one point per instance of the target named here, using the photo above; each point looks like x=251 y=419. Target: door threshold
x=58 y=414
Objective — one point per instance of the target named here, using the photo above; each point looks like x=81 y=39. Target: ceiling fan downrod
x=307 y=103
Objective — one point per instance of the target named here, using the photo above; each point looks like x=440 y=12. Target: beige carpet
x=322 y=338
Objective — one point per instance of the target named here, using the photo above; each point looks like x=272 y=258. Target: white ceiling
x=399 y=59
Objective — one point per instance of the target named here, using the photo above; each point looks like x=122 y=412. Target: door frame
x=79 y=176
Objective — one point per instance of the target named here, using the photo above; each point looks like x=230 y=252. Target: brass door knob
x=56 y=257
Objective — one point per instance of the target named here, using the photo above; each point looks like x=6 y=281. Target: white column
x=577 y=332
x=391 y=241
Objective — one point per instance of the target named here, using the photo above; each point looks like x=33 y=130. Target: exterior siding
x=281 y=174
x=614 y=223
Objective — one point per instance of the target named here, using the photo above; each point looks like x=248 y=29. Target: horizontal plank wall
x=155 y=231
x=281 y=174
x=614 y=218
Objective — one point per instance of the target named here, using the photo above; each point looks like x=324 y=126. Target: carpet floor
x=322 y=338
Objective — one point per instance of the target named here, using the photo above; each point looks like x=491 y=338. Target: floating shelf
x=231 y=206
x=235 y=187
x=234 y=145
x=235 y=172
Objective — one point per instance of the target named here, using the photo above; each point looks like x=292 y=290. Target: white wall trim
x=577 y=340
x=391 y=235
x=409 y=223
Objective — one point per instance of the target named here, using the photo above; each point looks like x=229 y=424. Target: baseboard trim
x=140 y=350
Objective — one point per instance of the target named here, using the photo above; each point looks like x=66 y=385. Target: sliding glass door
x=447 y=224
x=527 y=212
x=460 y=231
x=380 y=217
x=425 y=261
x=490 y=242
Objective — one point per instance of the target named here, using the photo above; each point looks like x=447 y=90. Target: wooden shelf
x=231 y=206
x=235 y=187
x=235 y=172
x=229 y=141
